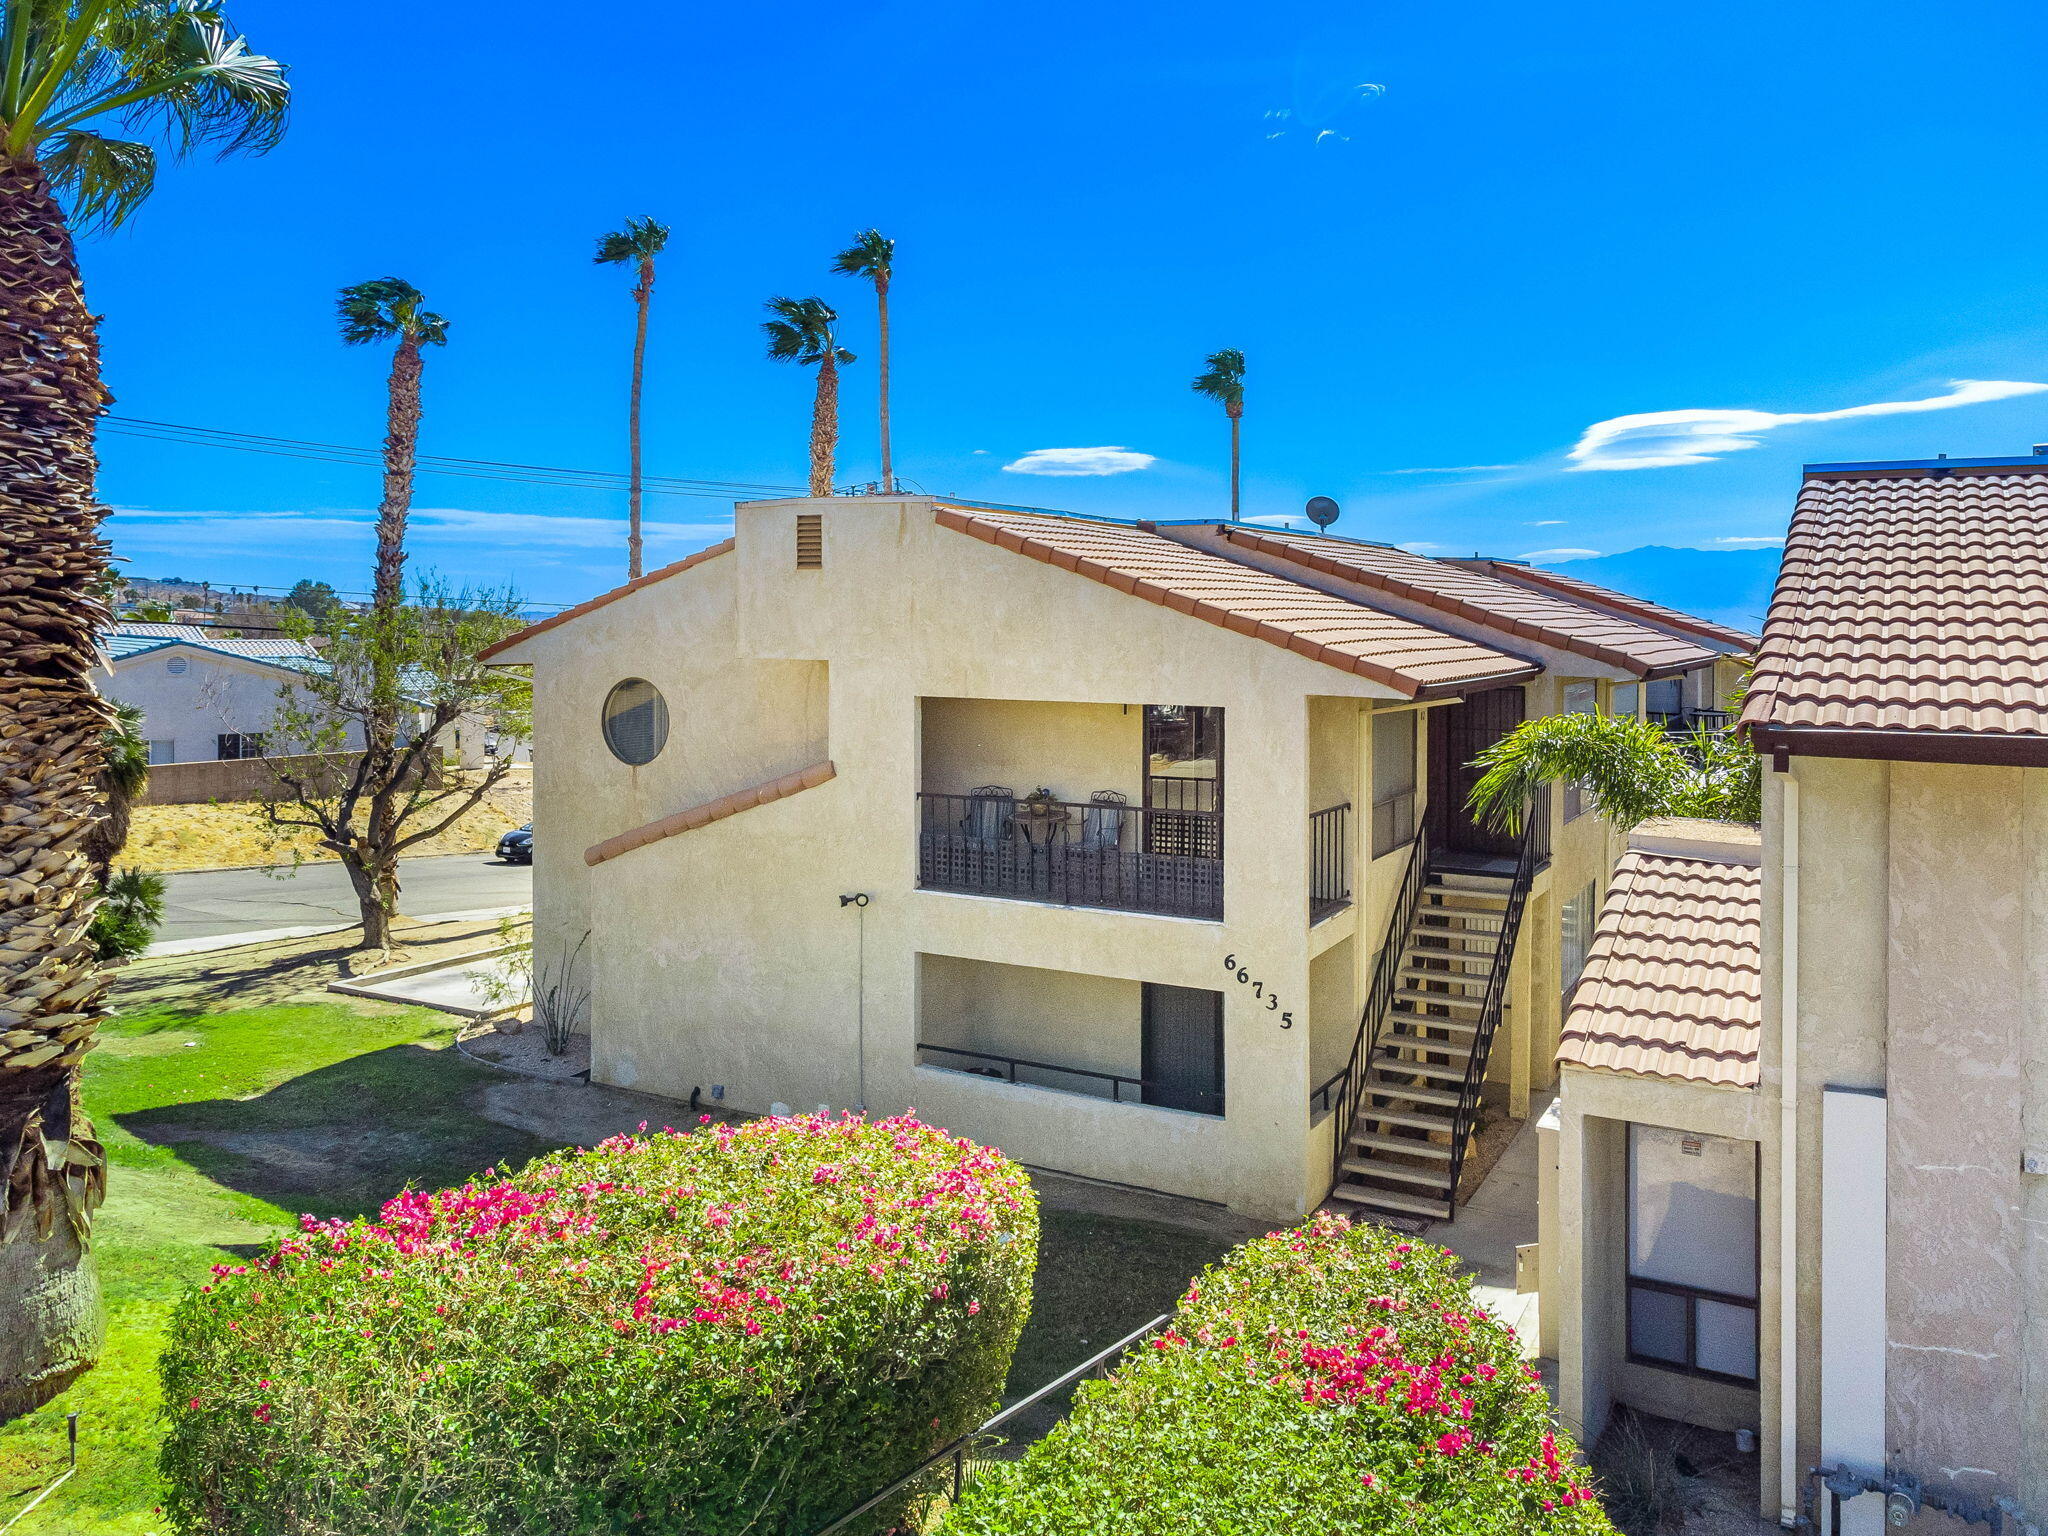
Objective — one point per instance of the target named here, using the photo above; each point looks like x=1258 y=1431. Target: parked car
x=516 y=847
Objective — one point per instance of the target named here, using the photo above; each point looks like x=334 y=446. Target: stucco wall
x=1071 y=749
x=1923 y=953
x=1063 y=1017
x=724 y=956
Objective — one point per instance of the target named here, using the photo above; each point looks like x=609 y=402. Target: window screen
x=1393 y=781
x=1575 y=937
x=635 y=721
x=1623 y=698
x=1579 y=699
x=1692 y=1251
x=162 y=752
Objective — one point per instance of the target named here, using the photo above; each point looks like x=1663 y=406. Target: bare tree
x=417 y=664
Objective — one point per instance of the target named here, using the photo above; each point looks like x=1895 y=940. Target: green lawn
x=222 y=1127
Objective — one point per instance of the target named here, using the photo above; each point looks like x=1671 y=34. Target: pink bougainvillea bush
x=1329 y=1378
x=740 y=1329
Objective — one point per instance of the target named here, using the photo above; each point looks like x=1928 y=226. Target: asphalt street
x=215 y=902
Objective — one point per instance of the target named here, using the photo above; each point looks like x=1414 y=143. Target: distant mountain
x=1730 y=586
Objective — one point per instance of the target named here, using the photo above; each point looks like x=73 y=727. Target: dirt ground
x=171 y=839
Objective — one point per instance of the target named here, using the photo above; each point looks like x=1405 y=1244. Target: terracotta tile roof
x=725 y=547
x=1641 y=609
x=1406 y=656
x=1673 y=985
x=690 y=819
x=1515 y=610
x=1910 y=601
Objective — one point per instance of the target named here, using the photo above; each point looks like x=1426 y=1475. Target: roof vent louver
x=810 y=541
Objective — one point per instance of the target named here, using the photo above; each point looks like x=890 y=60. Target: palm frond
x=386 y=307
x=802 y=331
x=642 y=239
x=872 y=256
x=169 y=71
x=127 y=763
x=104 y=180
x=1628 y=767
x=1223 y=380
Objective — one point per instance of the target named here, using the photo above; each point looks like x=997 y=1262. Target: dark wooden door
x=1457 y=734
x=1181 y=1059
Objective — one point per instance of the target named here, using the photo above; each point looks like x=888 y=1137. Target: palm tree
x=639 y=243
x=84 y=86
x=803 y=332
x=391 y=309
x=1223 y=381
x=873 y=257
x=123 y=777
x=1632 y=769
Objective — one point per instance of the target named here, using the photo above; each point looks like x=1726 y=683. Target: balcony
x=1101 y=852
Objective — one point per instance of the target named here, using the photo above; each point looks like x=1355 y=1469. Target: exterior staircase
x=1411 y=1101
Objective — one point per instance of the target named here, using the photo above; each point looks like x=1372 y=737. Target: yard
x=222 y=1126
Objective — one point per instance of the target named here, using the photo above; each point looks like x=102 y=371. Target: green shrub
x=130 y=908
x=1329 y=1378
x=739 y=1329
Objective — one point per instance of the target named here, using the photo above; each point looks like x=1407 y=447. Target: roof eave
x=1987 y=749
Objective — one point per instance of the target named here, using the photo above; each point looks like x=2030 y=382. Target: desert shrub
x=738 y=1329
x=1329 y=1378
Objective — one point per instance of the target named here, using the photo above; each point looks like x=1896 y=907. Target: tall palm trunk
x=643 y=293
x=52 y=730
x=882 y=369
x=825 y=425
x=372 y=871
x=1236 y=428
x=401 y=449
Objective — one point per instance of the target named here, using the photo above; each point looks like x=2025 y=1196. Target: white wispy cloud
x=1419 y=546
x=1559 y=554
x=1449 y=469
x=1748 y=541
x=1281 y=520
x=165 y=529
x=1546 y=522
x=1655 y=439
x=1080 y=461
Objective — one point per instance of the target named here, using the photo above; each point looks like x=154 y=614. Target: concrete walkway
x=473 y=988
x=1500 y=1216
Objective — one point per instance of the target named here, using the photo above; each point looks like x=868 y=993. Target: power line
x=142 y=429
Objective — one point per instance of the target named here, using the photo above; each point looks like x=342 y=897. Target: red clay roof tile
x=1404 y=655
x=1911 y=601
x=1673 y=984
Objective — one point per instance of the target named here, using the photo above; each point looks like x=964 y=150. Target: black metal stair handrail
x=1535 y=854
x=1378 y=1002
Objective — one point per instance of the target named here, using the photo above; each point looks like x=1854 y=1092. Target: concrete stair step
x=1378 y=1084
x=1412 y=994
x=1384 y=1200
x=1414 y=1120
x=1467 y=978
x=1462 y=1031
x=1465 y=895
x=1428 y=1178
x=1403 y=1144
x=1454 y=1074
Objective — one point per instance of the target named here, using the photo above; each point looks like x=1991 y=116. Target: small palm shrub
x=1329 y=1378
x=739 y=1329
x=130 y=908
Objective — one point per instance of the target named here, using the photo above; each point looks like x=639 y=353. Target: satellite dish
x=1322 y=511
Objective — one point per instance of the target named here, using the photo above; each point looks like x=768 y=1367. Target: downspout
x=1788 y=1152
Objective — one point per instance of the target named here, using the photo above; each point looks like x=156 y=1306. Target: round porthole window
x=635 y=721
x=176 y=666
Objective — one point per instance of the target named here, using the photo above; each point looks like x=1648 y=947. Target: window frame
x=1397 y=809
x=242 y=751
x=605 y=718
x=1692 y=1295
x=1573 y=801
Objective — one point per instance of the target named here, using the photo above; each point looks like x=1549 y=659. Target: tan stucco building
x=1084 y=837
x=1798 y=1180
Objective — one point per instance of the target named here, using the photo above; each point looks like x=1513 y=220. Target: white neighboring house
x=202 y=699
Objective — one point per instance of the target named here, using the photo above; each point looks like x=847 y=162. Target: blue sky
x=1451 y=240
